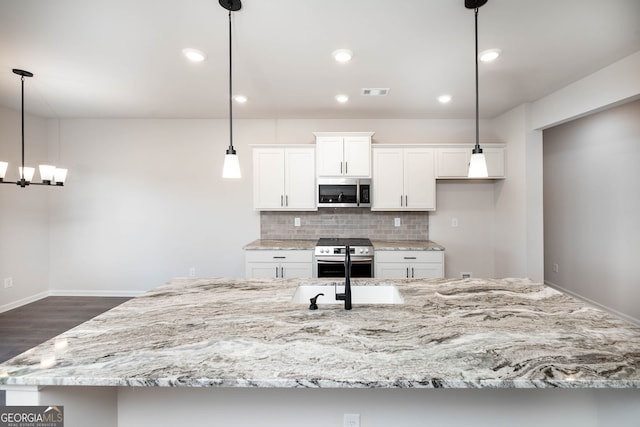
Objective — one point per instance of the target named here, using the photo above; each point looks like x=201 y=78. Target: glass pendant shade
x=3 y=169
x=28 y=173
x=478 y=166
x=59 y=176
x=46 y=172
x=231 y=168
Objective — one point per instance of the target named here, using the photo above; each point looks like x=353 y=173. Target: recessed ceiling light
x=489 y=55
x=240 y=98
x=443 y=99
x=343 y=55
x=194 y=55
x=342 y=98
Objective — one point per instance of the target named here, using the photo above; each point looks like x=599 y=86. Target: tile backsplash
x=344 y=222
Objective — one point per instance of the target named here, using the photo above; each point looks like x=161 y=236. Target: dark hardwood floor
x=32 y=324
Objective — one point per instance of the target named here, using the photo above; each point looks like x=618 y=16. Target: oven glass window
x=337 y=270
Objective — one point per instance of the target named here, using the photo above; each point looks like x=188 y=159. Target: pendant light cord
x=477 y=147
x=231 y=149
x=22 y=114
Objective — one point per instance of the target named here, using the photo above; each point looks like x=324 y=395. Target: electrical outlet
x=396 y=222
x=351 y=420
x=454 y=222
x=466 y=275
x=556 y=268
x=192 y=272
x=8 y=282
x=296 y=222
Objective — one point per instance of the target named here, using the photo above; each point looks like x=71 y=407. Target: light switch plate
x=396 y=222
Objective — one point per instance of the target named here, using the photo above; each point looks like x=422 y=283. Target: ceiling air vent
x=375 y=91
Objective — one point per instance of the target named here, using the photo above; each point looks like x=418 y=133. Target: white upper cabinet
x=403 y=179
x=343 y=154
x=284 y=178
x=453 y=162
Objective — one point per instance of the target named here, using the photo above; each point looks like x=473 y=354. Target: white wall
x=518 y=199
x=145 y=202
x=24 y=231
x=592 y=206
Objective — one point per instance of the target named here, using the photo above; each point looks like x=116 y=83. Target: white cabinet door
x=268 y=178
x=427 y=271
x=284 y=178
x=357 y=156
x=453 y=162
x=388 y=179
x=344 y=155
x=390 y=270
x=262 y=270
x=300 y=179
x=330 y=153
x=419 y=179
x=403 y=179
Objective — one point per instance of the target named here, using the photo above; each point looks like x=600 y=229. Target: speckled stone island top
x=247 y=333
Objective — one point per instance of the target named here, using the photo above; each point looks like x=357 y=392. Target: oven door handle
x=341 y=261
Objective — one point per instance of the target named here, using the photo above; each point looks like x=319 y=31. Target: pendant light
x=49 y=174
x=478 y=163
x=231 y=168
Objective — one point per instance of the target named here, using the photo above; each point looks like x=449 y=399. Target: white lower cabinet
x=409 y=264
x=278 y=264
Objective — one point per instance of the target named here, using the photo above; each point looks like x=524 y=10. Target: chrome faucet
x=346 y=296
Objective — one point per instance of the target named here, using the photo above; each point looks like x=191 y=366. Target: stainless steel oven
x=330 y=253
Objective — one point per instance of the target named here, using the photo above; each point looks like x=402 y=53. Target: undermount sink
x=360 y=293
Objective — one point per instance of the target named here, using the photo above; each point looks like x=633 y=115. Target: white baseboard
x=23 y=301
x=68 y=293
x=592 y=302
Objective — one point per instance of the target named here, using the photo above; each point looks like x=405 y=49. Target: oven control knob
x=361 y=250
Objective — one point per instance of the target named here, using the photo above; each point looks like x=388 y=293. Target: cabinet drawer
x=409 y=256
x=279 y=256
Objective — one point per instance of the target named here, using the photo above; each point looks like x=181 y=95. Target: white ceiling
x=122 y=58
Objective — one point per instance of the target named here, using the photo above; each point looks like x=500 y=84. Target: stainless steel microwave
x=344 y=192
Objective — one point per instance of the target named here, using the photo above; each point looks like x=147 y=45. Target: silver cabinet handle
x=276 y=272
x=286 y=198
x=340 y=168
x=281 y=200
x=409 y=257
x=407 y=272
x=406 y=201
x=412 y=275
x=401 y=200
x=282 y=272
x=346 y=168
x=279 y=257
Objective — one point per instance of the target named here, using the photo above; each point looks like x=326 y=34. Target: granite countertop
x=384 y=245
x=285 y=244
x=449 y=333
x=406 y=245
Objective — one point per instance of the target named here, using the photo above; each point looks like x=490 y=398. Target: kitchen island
x=230 y=349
